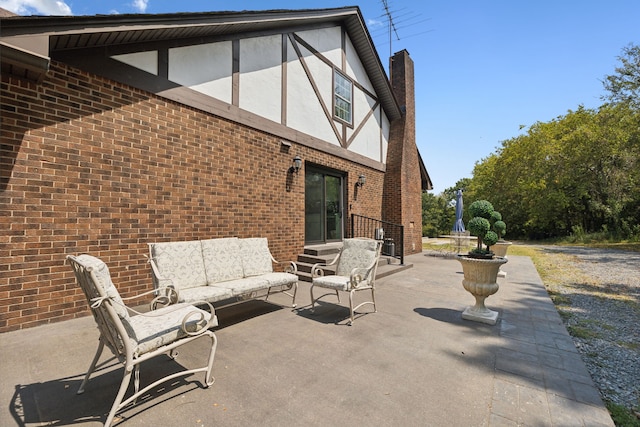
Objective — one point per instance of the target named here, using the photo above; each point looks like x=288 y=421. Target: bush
x=486 y=224
x=490 y=239
x=481 y=208
x=478 y=226
x=500 y=228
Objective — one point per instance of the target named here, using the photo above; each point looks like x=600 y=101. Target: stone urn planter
x=500 y=249
x=480 y=280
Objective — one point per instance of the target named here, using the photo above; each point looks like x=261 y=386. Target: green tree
x=579 y=171
x=437 y=215
x=624 y=86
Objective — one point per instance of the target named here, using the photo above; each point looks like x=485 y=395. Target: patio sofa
x=216 y=270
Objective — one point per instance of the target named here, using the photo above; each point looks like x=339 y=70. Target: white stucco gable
x=287 y=79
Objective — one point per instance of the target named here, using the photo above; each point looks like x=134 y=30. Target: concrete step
x=323 y=250
x=325 y=253
x=386 y=267
x=313 y=259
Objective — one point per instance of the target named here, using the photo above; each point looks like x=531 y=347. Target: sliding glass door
x=323 y=206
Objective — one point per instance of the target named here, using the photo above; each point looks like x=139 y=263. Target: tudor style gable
x=311 y=81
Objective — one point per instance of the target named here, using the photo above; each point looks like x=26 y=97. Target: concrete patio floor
x=415 y=362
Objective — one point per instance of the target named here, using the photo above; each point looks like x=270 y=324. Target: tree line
x=578 y=173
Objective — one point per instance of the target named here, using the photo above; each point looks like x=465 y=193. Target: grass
x=582 y=332
x=622 y=416
x=624 y=246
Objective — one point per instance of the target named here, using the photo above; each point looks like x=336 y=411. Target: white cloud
x=36 y=7
x=375 y=23
x=140 y=5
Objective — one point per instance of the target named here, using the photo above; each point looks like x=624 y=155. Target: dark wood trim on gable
x=283 y=95
x=343 y=52
x=102 y=65
x=313 y=50
x=163 y=63
x=362 y=123
x=327 y=113
x=235 y=73
x=382 y=156
x=343 y=69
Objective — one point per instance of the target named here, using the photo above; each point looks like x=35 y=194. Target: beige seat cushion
x=164 y=326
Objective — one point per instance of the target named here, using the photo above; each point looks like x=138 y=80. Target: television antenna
x=398 y=20
x=391 y=24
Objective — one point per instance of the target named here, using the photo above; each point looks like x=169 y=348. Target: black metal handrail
x=391 y=234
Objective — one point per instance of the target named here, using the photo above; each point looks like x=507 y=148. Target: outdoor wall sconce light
x=297 y=164
x=361 y=180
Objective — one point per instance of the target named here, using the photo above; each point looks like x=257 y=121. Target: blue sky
x=483 y=68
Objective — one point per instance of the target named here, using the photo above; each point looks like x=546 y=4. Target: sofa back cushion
x=180 y=262
x=255 y=255
x=222 y=259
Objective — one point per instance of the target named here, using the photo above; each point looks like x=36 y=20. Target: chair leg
x=293 y=297
x=116 y=403
x=313 y=302
x=91 y=367
x=208 y=376
x=351 y=306
x=373 y=298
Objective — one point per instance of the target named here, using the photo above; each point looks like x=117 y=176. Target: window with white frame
x=342 y=96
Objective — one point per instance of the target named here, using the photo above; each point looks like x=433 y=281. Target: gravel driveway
x=598 y=297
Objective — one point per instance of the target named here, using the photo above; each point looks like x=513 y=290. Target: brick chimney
x=402 y=196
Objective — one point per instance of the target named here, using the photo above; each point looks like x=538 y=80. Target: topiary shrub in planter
x=480 y=266
x=480 y=226
x=499 y=225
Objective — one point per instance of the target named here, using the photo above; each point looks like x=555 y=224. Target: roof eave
x=23 y=63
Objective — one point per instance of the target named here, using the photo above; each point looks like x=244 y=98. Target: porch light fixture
x=361 y=180
x=297 y=164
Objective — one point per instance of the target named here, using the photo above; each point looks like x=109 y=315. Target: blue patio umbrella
x=458 y=226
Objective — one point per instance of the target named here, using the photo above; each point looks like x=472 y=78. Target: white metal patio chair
x=135 y=339
x=356 y=266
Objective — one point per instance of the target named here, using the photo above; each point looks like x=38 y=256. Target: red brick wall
x=88 y=165
x=402 y=202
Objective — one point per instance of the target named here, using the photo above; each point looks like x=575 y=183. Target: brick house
x=127 y=129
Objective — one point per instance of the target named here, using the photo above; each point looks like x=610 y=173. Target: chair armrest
x=165 y=296
x=358 y=276
x=194 y=316
x=291 y=268
x=318 y=266
x=200 y=318
x=317 y=271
